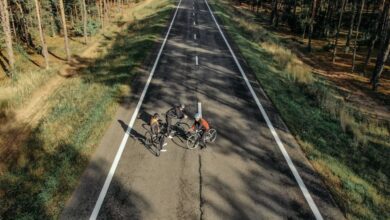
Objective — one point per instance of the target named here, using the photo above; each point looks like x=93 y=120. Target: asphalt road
x=243 y=175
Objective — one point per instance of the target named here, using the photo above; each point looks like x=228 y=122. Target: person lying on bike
x=175 y=112
x=155 y=127
x=200 y=124
x=155 y=124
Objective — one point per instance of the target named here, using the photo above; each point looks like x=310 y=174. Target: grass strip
x=45 y=172
x=351 y=154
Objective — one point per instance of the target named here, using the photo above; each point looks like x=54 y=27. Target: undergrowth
x=349 y=148
x=39 y=176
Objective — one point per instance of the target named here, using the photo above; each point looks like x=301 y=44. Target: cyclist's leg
x=162 y=143
x=169 y=123
x=202 y=139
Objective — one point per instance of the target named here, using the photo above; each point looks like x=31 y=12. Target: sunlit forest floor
x=340 y=123
x=52 y=120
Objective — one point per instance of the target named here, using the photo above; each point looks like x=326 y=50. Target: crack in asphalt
x=201 y=201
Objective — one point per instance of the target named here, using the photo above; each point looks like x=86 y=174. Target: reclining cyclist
x=177 y=112
x=155 y=127
x=202 y=125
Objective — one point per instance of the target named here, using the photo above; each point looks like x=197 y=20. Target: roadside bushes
x=346 y=144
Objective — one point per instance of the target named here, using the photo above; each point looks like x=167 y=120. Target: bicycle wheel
x=148 y=139
x=211 y=135
x=182 y=128
x=193 y=141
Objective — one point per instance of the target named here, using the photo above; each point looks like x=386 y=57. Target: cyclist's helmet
x=197 y=116
x=156 y=115
x=182 y=106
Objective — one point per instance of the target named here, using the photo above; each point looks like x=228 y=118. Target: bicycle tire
x=193 y=141
x=211 y=135
x=148 y=139
x=182 y=127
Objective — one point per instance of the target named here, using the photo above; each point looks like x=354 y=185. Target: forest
x=25 y=25
x=323 y=63
x=324 y=66
x=366 y=23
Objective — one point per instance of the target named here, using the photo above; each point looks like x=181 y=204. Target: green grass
x=350 y=150
x=44 y=171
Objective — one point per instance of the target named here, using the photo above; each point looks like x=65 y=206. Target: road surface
x=243 y=175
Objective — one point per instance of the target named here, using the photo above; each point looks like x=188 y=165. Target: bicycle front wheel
x=148 y=141
x=211 y=135
x=193 y=141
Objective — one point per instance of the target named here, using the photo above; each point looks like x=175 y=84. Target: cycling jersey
x=202 y=124
x=155 y=125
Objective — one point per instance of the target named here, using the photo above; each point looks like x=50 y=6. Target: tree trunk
x=7 y=32
x=347 y=44
x=382 y=55
x=106 y=15
x=43 y=43
x=13 y=24
x=102 y=13
x=65 y=30
x=274 y=13
x=380 y=62
x=84 y=13
x=53 y=26
x=378 y=27
x=328 y=19
x=338 y=31
x=72 y=17
x=313 y=14
x=98 y=3
x=295 y=8
x=356 y=36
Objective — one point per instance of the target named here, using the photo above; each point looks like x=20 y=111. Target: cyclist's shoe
x=170 y=136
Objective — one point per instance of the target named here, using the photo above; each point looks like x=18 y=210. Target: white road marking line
x=118 y=155
x=196 y=60
x=291 y=165
x=194 y=36
x=200 y=108
x=194 y=23
x=193 y=13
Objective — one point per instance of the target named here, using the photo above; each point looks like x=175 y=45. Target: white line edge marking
x=196 y=60
x=200 y=108
x=194 y=36
x=118 y=155
x=291 y=165
x=194 y=23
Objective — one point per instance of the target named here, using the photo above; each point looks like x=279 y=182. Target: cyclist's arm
x=192 y=128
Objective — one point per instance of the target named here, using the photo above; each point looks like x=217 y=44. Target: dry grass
x=16 y=91
x=40 y=164
x=293 y=68
x=349 y=147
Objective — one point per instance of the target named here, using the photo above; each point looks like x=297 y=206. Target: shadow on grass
x=40 y=172
x=363 y=171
